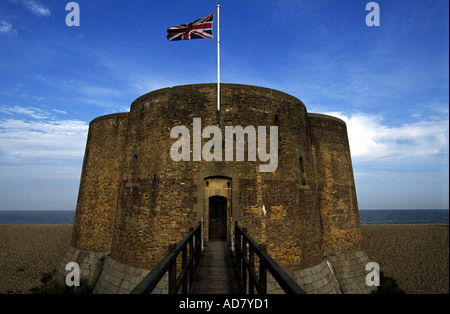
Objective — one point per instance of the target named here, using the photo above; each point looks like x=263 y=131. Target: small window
x=133 y=171
x=302 y=170
x=134 y=164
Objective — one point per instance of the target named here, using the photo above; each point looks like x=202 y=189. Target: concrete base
x=335 y=275
x=118 y=278
x=350 y=270
x=314 y=280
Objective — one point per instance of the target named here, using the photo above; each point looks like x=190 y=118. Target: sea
x=367 y=217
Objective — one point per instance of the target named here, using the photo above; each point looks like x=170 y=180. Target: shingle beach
x=415 y=255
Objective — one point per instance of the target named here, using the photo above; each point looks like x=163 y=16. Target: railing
x=189 y=265
x=245 y=262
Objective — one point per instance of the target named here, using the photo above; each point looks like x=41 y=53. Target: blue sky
x=390 y=83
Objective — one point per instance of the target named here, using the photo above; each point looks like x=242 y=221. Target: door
x=217 y=218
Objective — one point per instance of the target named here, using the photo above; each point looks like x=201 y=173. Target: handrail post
x=198 y=243
x=262 y=271
x=238 y=248
x=202 y=233
x=251 y=262
x=245 y=262
x=191 y=253
x=231 y=234
x=190 y=259
x=244 y=256
x=183 y=267
x=173 y=271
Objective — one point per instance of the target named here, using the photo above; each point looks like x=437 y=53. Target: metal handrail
x=266 y=263
x=169 y=264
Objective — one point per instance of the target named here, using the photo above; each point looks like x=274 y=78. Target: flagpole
x=218 y=59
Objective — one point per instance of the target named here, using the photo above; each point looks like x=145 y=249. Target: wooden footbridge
x=213 y=268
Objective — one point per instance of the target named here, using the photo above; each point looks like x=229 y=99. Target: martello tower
x=134 y=199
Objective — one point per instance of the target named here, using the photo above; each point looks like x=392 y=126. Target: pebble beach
x=415 y=255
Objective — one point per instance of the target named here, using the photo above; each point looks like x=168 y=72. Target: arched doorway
x=217 y=218
x=217 y=208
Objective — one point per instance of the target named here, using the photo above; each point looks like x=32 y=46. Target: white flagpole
x=218 y=59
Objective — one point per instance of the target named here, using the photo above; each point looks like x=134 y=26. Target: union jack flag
x=201 y=28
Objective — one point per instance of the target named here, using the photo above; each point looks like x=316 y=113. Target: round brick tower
x=173 y=160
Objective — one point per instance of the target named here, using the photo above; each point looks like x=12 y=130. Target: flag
x=201 y=28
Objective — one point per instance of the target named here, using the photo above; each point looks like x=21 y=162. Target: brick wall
x=97 y=196
x=336 y=185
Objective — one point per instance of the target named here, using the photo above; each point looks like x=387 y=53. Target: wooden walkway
x=217 y=273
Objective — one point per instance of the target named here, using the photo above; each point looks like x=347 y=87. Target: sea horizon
x=367 y=216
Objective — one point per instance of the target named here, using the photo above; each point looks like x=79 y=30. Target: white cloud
x=34 y=143
x=31 y=112
x=59 y=111
x=36 y=8
x=371 y=139
x=25 y=141
x=6 y=28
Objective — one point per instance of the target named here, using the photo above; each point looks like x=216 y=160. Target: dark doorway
x=217 y=218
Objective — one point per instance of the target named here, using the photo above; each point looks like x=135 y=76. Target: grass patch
x=51 y=286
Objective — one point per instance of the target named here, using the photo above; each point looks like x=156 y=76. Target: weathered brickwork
x=134 y=200
x=97 y=196
x=337 y=194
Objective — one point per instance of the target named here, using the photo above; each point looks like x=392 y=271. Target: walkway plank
x=217 y=273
